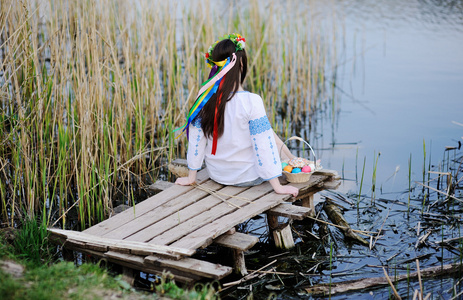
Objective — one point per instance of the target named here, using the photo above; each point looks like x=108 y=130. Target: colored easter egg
x=306 y=169
x=283 y=165
x=288 y=169
x=296 y=170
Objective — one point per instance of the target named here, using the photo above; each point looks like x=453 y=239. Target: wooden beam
x=272 y=221
x=137 y=262
x=226 y=221
x=238 y=241
x=143 y=207
x=308 y=202
x=149 y=225
x=240 y=263
x=283 y=237
x=188 y=219
x=316 y=183
x=160 y=185
x=120 y=245
x=180 y=162
x=290 y=211
x=190 y=265
x=202 y=213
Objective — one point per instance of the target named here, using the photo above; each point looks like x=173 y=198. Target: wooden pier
x=164 y=231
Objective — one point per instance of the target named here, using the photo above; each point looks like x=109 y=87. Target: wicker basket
x=300 y=177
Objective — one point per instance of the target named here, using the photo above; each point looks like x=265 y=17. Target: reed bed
x=90 y=92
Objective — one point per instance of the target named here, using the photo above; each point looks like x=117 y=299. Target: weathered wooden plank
x=147 y=220
x=191 y=265
x=72 y=244
x=213 y=212
x=331 y=173
x=122 y=246
x=239 y=262
x=135 y=261
x=316 y=180
x=96 y=247
x=290 y=211
x=180 y=161
x=283 y=237
x=96 y=254
x=332 y=184
x=238 y=240
x=160 y=185
x=162 y=232
x=321 y=184
x=204 y=235
x=143 y=207
x=138 y=263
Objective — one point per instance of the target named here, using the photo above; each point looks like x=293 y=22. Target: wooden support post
x=272 y=221
x=281 y=233
x=240 y=264
x=283 y=237
x=308 y=202
x=128 y=274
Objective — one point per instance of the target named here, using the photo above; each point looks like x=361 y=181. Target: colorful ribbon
x=209 y=88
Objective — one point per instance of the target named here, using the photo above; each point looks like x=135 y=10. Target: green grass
x=168 y=288
x=31 y=242
x=65 y=281
x=43 y=279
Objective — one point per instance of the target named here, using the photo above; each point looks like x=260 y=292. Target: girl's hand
x=187 y=180
x=283 y=189
x=287 y=189
x=183 y=181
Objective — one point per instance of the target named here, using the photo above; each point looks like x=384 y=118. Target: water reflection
x=401 y=89
x=431 y=15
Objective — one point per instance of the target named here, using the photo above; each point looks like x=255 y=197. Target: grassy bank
x=30 y=268
x=91 y=91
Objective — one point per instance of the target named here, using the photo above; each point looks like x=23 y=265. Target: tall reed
x=373 y=179
x=361 y=182
x=90 y=91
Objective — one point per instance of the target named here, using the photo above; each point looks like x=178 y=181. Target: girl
x=228 y=127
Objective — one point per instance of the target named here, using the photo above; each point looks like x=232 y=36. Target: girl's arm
x=195 y=152
x=283 y=189
x=187 y=180
x=282 y=148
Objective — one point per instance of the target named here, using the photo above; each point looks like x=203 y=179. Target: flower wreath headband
x=214 y=82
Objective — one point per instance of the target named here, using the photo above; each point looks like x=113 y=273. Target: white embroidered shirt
x=247 y=148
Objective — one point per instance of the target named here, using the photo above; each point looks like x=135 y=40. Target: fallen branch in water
x=366 y=283
x=248 y=277
x=366 y=233
x=272 y=272
x=440 y=192
x=450 y=240
x=335 y=214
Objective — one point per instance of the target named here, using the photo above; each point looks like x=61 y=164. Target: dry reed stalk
x=92 y=84
x=365 y=233
x=219 y=195
x=440 y=192
x=397 y=296
x=247 y=277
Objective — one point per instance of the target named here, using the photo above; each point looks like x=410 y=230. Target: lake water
x=401 y=85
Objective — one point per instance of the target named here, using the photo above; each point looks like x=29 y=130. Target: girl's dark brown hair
x=231 y=83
